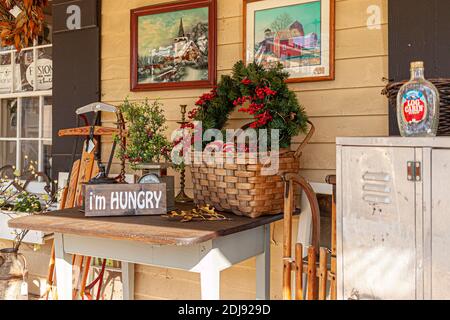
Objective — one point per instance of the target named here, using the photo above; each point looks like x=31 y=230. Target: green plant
x=27 y=203
x=13 y=186
x=24 y=202
x=261 y=93
x=146 y=140
x=14 y=198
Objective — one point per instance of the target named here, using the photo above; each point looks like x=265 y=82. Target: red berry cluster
x=240 y=101
x=192 y=114
x=206 y=98
x=246 y=81
x=256 y=106
x=262 y=120
x=253 y=108
x=188 y=125
x=264 y=92
x=257 y=103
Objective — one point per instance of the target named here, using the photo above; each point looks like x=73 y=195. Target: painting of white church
x=173 y=46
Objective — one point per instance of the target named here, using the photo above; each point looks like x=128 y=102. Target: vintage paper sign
x=44 y=76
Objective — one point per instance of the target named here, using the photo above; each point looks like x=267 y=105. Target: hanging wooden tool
x=82 y=171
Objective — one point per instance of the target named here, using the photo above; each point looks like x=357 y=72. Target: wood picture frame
x=180 y=56
x=330 y=40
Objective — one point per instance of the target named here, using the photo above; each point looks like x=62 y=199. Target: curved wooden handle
x=314 y=204
x=307 y=139
x=290 y=180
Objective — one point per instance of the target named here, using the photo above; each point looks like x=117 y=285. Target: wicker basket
x=241 y=188
x=443 y=85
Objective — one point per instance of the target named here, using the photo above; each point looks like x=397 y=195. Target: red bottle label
x=414 y=107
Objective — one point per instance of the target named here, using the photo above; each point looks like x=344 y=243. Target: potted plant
x=14 y=201
x=13 y=265
x=147 y=147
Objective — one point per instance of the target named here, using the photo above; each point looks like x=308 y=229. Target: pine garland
x=262 y=93
x=29 y=24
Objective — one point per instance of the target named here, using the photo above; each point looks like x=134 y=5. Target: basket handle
x=307 y=139
x=302 y=146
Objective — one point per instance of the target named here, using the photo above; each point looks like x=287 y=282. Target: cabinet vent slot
x=382 y=177
x=377 y=188
x=375 y=199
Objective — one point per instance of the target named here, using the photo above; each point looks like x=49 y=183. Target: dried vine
x=206 y=213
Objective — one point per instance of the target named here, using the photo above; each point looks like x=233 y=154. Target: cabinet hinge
x=414 y=171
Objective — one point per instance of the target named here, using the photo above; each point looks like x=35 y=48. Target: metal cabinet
x=393 y=218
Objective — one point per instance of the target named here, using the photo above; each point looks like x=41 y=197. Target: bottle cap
x=417 y=64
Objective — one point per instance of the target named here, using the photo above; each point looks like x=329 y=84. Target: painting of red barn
x=296 y=33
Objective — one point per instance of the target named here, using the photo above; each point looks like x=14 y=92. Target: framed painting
x=300 y=34
x=173 y=46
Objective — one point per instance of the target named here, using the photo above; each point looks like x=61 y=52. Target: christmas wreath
x=21 y=22
x=262 y=93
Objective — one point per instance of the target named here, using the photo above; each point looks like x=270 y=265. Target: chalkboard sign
x=125 y=200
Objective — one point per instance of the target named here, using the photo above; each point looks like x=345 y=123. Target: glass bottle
x=418 y=105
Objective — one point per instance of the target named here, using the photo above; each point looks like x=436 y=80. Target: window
x=26 y=107
x=26 y=103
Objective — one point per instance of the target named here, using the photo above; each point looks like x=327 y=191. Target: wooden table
x=202 y=247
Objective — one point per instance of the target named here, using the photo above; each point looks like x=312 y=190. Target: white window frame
x=41 y=94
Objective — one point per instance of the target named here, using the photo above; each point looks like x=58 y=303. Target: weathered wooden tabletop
x=148 y=229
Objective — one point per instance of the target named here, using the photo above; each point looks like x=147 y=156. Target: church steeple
x=181 y=33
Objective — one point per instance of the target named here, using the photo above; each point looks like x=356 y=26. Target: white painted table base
x=208 y=259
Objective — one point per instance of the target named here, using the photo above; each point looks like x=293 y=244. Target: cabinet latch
x=414 y=171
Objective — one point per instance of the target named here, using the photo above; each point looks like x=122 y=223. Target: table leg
x=263 y=269
x=63 y=267
x=210 y=283
x=128 y=280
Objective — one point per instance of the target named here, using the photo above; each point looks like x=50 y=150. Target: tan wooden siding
x=349 y=106
x=352 y=105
